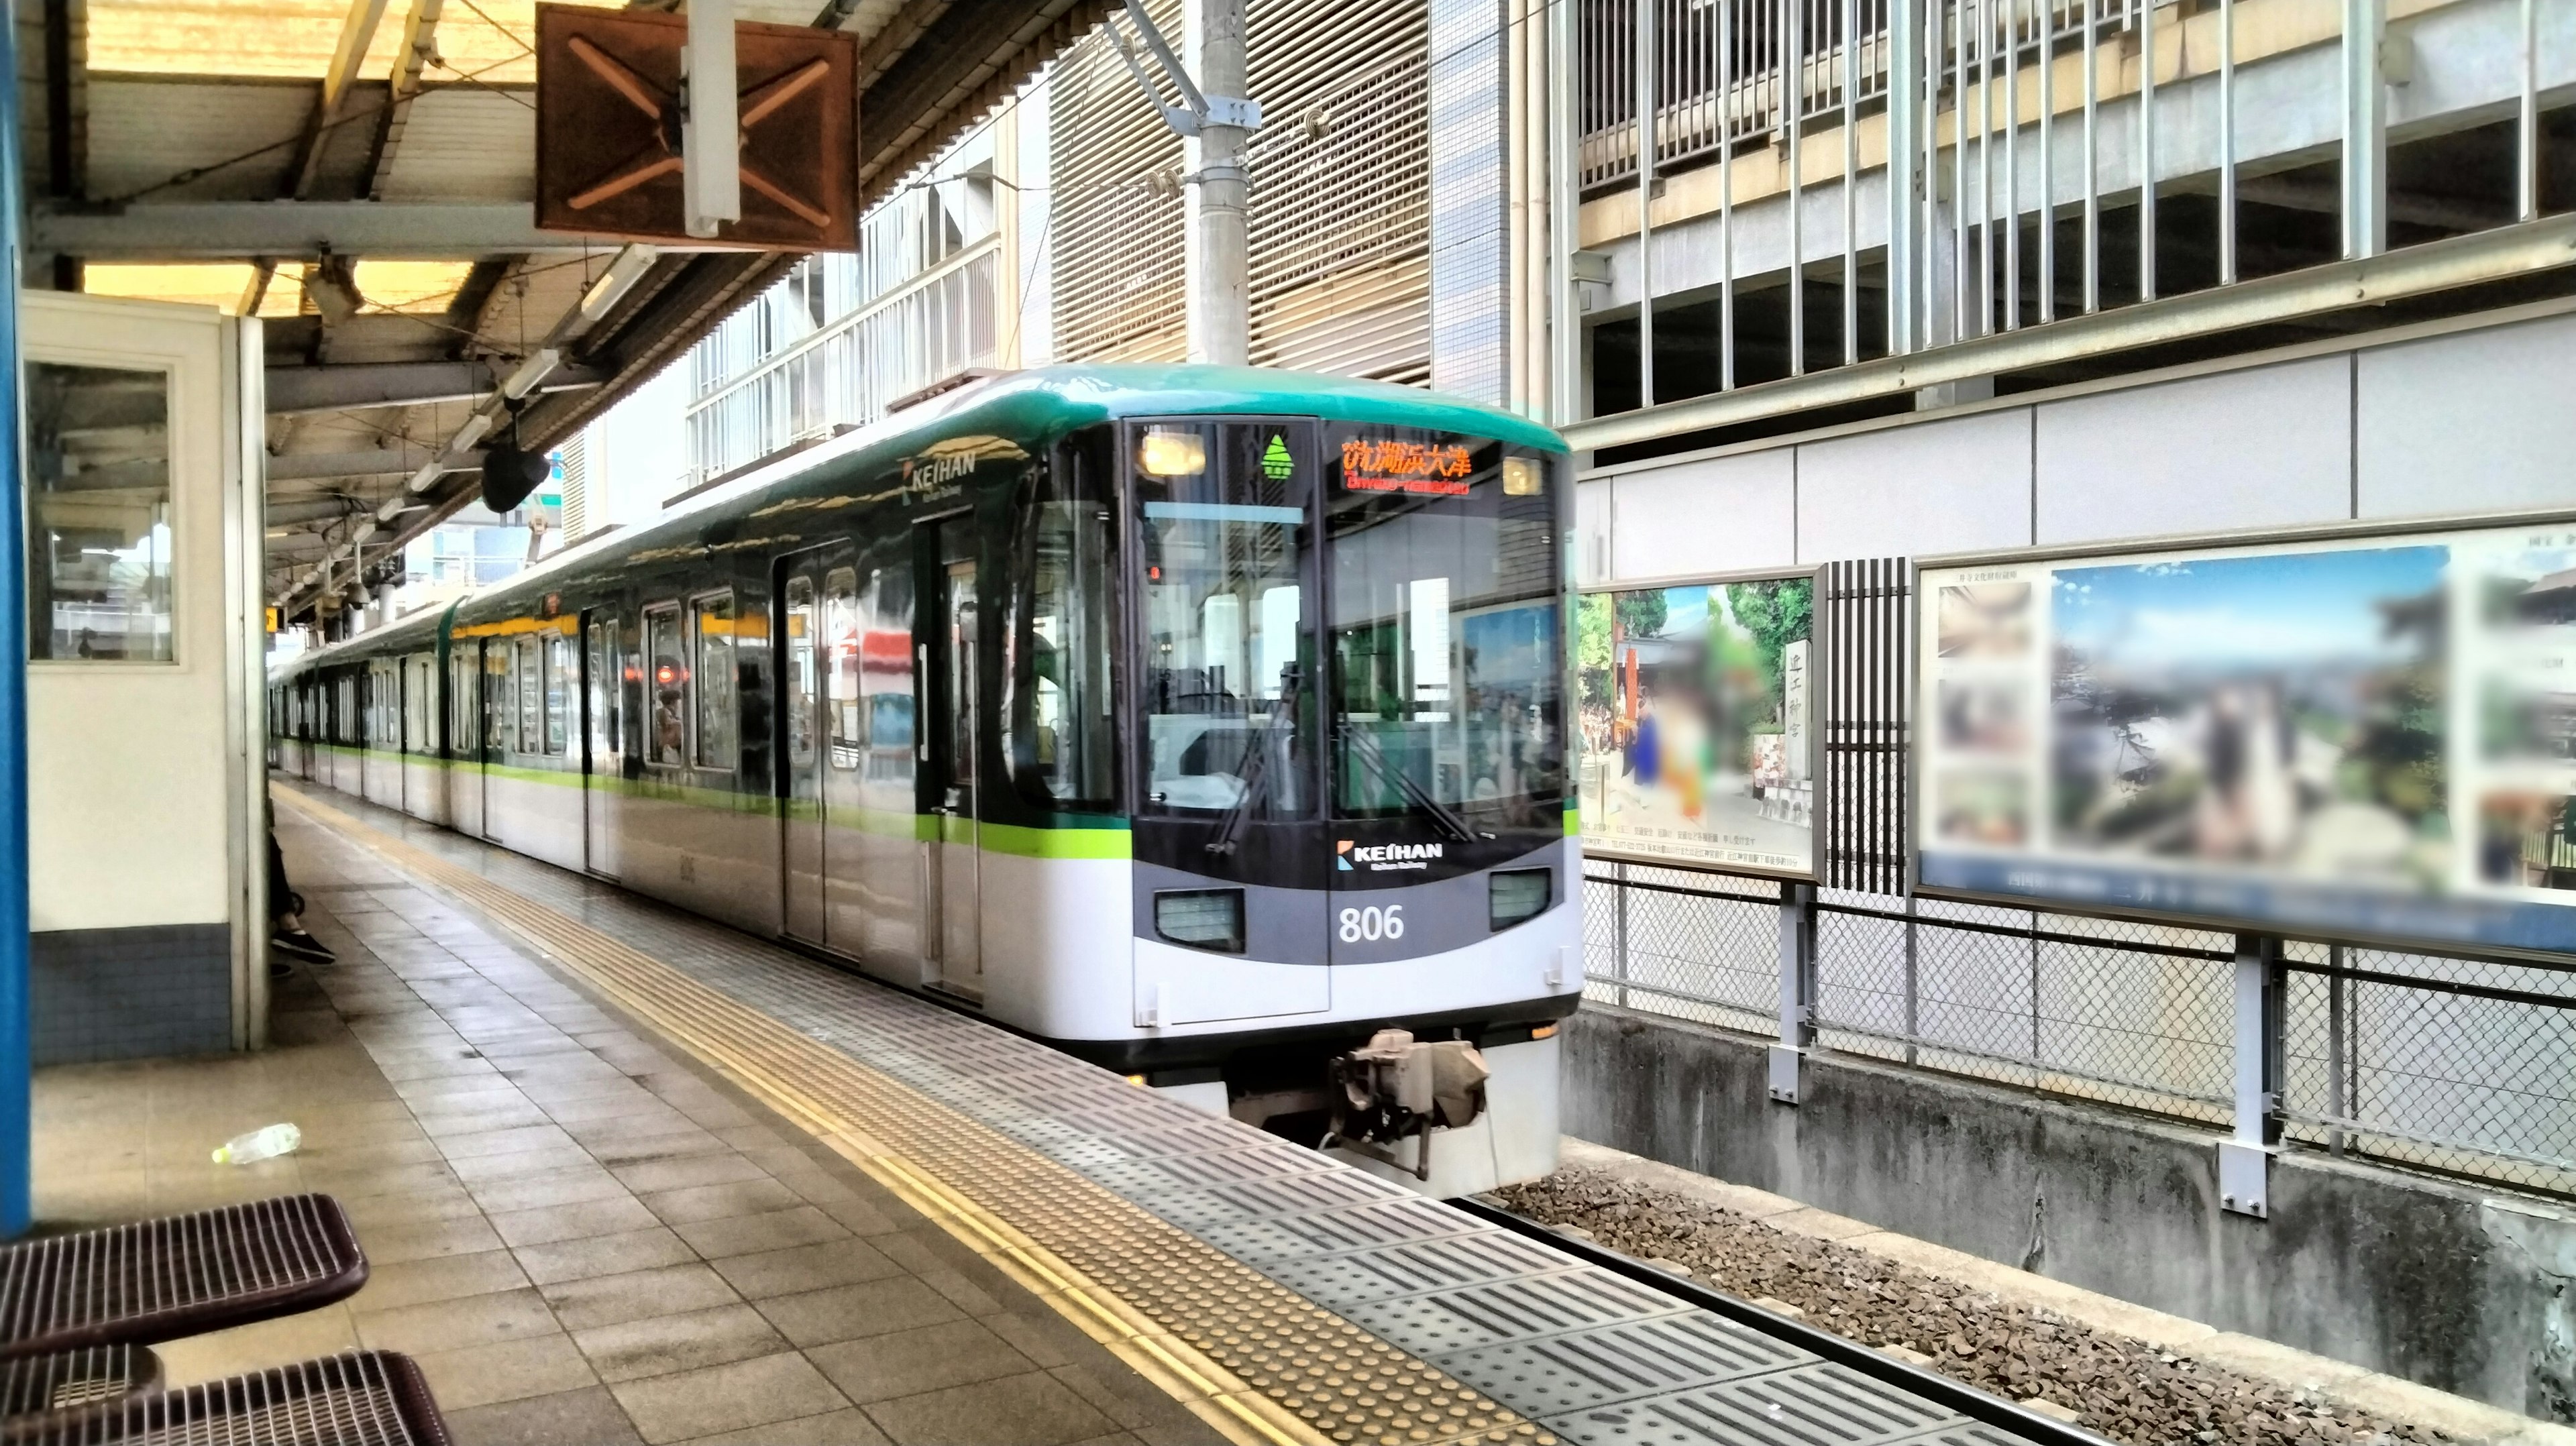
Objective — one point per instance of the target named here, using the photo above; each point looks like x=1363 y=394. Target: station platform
x=626 y=1174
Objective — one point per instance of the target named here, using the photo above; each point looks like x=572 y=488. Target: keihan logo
x=1382 y=857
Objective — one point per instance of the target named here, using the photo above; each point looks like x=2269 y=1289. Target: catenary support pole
x=1220 y=317
x=15 y=1203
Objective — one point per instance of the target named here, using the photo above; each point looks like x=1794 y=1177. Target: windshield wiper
x=1256 y=784
x=1371 y=753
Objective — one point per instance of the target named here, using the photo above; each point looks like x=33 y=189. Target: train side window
x=667 y=746
x=843 y=660
x=1062 y=739
x=605 y=692
x=461 y=707
x=799 y=675
x=500 y=696
x=532 y=699
x=558 y=653
x=711 y=630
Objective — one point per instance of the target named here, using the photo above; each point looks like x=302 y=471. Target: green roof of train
x=1041 y=401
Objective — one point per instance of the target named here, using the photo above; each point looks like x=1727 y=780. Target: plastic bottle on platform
x=264 y=1143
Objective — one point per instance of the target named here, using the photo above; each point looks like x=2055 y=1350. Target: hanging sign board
x=2364 y=735
x=1697 y=732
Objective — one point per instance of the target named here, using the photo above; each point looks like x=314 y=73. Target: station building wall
x=2430 y=423
x=2450 y=1284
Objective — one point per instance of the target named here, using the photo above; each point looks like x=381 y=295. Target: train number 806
x=1373 y=923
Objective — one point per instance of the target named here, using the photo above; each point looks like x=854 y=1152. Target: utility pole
x=1220 y=315
x=1214 y=121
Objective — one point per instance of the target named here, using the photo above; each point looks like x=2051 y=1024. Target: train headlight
x=1523 y=477
x=1172 y=452
x=1518 y=896
x=1201 y=918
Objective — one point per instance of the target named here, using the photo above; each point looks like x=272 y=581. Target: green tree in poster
x=1592 y=647
x=1776 y=614
x=1641 y=614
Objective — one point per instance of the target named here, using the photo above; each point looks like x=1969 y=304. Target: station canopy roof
x=376 y=214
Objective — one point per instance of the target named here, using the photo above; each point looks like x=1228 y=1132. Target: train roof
x=1039 y=401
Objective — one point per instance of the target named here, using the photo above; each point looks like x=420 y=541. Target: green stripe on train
x=1099 y=836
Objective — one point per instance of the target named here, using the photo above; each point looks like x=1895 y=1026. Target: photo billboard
x=2357 y=736
x=1697 y=724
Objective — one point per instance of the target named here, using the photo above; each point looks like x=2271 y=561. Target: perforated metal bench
x=367 y=1398
x=182 y=1275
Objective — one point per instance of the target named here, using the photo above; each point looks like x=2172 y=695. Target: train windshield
x=1227 y=526
x=1448 y=659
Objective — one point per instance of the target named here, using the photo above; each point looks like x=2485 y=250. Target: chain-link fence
x=2461 y=1066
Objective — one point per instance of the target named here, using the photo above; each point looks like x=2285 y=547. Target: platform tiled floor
x=580 y=1235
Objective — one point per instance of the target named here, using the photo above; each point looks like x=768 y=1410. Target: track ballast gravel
x=2125 y=1388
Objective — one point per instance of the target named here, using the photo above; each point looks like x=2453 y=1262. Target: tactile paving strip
x=1312 y=1299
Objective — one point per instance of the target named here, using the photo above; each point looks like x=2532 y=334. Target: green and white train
x=1203 y=722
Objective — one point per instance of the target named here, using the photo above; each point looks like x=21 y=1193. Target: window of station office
x=99 y=524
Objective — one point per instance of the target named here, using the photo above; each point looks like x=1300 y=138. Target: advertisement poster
x=1695 y=725
x=2370 y=738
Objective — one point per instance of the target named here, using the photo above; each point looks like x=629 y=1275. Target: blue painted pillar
x=16 y=1206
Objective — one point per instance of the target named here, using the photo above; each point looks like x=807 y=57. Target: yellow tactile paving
x=1258 y=1362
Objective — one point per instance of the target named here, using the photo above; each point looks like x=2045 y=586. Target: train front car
x=1355 y=891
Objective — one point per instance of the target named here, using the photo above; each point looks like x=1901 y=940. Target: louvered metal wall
x=1115 y=173
x=1340 y=204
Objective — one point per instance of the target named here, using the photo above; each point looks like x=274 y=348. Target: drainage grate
x=1365 y=1227
x=1512 y=1310
x=1414 y=1269
x=1623 y=1362
x=1818 y=1405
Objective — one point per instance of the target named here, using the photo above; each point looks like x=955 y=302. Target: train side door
x=800 y=753
x=465 y=735
x=604 y=740
x=951 y=739
x=499 y=714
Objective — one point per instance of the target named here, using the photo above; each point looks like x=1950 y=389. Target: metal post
x=2146 y=150
x=1851 y=181
x=1797 y=989
x=2336 y=1064
x=15 y=1202
x=1793 y=105
x=2226 y=142
x=2012 y=169
x=2245 y=1159
x=1220 y=317
x=1726 y=197
x=2047 y=161
x=1565 y=320
x=1913 y=979
x=2092 y=53
x=1619 y=932
x=2527 y=116
x=1907 y=119
x=2365 y=129
x=1646 y=128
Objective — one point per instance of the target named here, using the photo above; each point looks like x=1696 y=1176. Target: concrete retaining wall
x=2444 y=1284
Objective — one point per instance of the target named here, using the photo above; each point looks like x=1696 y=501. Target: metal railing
x=1957 y=170
x=2467 y=1067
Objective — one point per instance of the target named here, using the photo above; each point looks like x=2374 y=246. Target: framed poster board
x=1697 y=713
x=2364 y=734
